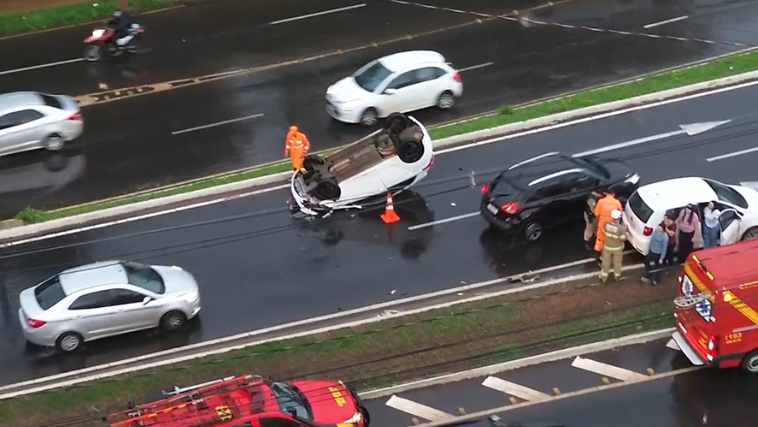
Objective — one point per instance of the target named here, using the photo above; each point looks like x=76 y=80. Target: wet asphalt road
x=128 y=144
x=692 y=399
x=268 y=268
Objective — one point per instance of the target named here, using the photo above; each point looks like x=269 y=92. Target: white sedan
x=646 y=208
x=401 y=82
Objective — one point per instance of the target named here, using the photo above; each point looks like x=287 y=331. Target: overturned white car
x=390 y=159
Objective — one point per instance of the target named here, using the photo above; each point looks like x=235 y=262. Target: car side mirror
x=146 y=300
x=390 y=91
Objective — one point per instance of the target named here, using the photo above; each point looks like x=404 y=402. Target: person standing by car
x=669 y=220
x=656 y=253
x=686 y=224
x=296 y=147
x=603 y=210
x=590 y=221
x=712 y=228
x=613 y=246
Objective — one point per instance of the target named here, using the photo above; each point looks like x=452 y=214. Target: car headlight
x=634 y=179
x=191 y=296
x=355 y=419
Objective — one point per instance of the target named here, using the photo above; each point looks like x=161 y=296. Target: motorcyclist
x=120 y=23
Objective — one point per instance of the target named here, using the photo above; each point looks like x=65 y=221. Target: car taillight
x=713 y=347
x=647 y=231
x=485 y=187
x=429 y=165
x=34 y=323
x=75 y=116
x=457 y=77
x=509 y=207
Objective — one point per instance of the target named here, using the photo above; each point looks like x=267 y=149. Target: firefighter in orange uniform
x=296 y=147
x=603 y=210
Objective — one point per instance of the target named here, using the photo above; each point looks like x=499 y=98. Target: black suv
x=549 y=190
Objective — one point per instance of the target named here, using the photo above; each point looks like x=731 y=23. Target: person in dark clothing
x=120 y=23
x=656 y=253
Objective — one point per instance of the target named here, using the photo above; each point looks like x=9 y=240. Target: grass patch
x=403 y=349
x=79 y=13
x=719 y=68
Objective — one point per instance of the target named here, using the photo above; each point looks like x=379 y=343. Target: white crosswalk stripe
x=607 y=370
x=514 y=389
x=417 y=409
x=673 y=345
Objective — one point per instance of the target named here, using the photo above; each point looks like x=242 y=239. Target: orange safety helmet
x=293 y=129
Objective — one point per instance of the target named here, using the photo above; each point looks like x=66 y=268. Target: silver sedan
x=104 y=299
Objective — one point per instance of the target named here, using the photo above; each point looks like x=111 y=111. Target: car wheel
x=369 y=117
x=328 y=189
x=54 y=142
x=69 y=341
x=446 y=100
x=750 y=362
x=397 y=122
x=311 y=161
x=366 y=417
x=173 y=320
x=533 y=232
x=750 y=234
x=410 y=150
x=93 y=52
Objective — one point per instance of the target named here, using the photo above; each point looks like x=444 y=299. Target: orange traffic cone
x=389 y=216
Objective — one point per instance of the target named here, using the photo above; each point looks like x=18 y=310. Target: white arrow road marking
x=417 y=409
x=734 y=154
x=607 y=370
x=750 y=184
x=673 y=345
x=515 y=390
x=690 y=130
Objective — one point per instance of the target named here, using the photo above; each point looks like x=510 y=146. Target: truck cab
x=717 y=307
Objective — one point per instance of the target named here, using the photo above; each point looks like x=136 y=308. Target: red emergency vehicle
x=251 y=401
x=717 y=307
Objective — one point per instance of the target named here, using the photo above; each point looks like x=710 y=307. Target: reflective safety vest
x=615 y=236
x=297 y=145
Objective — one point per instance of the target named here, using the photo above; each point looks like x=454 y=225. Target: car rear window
x=49 y=293
x=144 y=277
x=50 y=101
x=639 y=207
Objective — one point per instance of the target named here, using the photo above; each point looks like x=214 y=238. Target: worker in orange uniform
x=296 y=146
x=603 y=210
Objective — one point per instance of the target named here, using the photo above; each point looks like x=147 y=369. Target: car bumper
x=687 y=349
x=338 y=112
x=42 y=337
x=500 y=224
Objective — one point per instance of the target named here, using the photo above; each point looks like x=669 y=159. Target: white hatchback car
x=401 y=82
x=646 y=208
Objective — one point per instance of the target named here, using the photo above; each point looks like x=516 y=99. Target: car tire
x=750 y=234
x=369 y=117
x=54 y=142
x=173 y=321
x=750 y=362
x=410 y=150
x=446 y=100
x=328 y=189
x=397 y=122
x=311 y=161
x=69 y=341
x=533 y=232
x=366 y=416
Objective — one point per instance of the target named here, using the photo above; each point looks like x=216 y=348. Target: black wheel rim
x=411 y=151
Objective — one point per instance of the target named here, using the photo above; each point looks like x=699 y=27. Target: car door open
x=729 y=220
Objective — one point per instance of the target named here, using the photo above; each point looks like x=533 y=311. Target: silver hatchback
x=104 y=299
x=33 y=120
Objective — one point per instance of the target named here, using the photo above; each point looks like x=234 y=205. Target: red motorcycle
x=102 y=41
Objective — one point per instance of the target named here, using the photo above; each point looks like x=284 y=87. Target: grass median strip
x=392 y=351
x=72 y=14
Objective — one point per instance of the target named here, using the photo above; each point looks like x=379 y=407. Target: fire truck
x=717 y=307
x=250 y=401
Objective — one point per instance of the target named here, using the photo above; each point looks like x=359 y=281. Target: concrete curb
x=522 y=363
x=106 y=214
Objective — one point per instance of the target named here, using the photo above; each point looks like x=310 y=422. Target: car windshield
x=49 y=293
x=727 y=194
x=372 y=76
x=593 y=168
x=291 y=400
x=144 y=277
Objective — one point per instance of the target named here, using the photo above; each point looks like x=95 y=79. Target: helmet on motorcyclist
x=117 y=14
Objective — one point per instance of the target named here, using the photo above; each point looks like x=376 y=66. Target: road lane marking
x=417 y=409
x=476 y=67
x=673 y=345
x=442 y=221
x=311 y=15
x=607 y=370
x=212 y=125
x=514 y=389
x=668 y=21
x=36 y=67
x=734 y=154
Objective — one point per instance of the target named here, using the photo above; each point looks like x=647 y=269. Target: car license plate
x=492 y=208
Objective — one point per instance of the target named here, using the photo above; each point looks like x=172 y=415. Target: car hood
x=176 y=279
x=750 y=195
x=345 y=90
x=331 y=402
